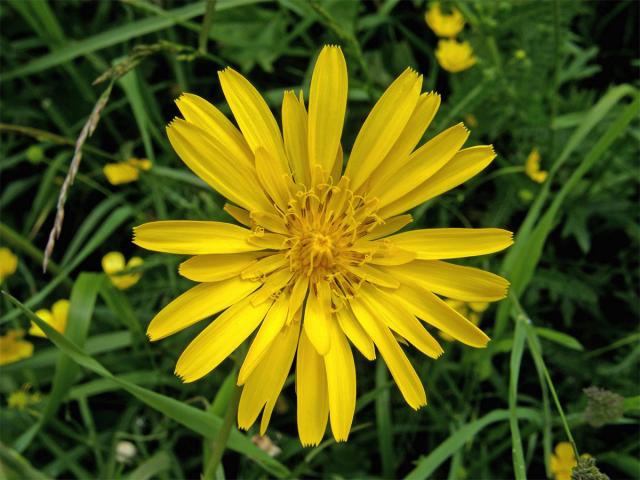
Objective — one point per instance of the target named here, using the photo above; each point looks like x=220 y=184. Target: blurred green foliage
x=560 y=76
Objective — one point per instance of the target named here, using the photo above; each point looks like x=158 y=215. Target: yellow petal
x=383 y=253
x=388 y=227
x=383 y=126
x=220 y=339
x=428 y=307
x=294 y=128
x=263 y=386
x=272 y=285
x=203 y=114
x=8 y=263
x=399 y=366
x=197 y=303
x=464 y=165
x=355 y=333
x=268 y=240
x=270 y=222
x=317 y=316
x=253 y=116
x=60 y=311
x=373 y=275
x=113 y=262
x=438 y=243
x=327 y=105
x=453 y=281
x=398 y=319
x=120 y=173
x=208 y=159
x=270 y=328
x=264 y=266
x=276 y=182
x=311 y=390
x=240 y=215
x=398 y=156
x=341 y=383
x=193 y=237
x=298 y=294
x=423 y=163
x=216 y=267
x=45 y=315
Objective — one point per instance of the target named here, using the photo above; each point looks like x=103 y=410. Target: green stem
x=223 y=435
x=206 y=26
x=534 y=346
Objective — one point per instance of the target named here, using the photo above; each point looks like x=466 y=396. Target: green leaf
x=427 y=465
x=519 y=336
x=117 y=35
x=203 y=423
x=560 y=338
x=383 y=420
x=151 y=467
x=83 y=298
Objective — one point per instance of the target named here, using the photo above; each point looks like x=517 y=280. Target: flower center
x=324 y=225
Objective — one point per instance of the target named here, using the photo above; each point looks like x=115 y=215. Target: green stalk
x=223 y=435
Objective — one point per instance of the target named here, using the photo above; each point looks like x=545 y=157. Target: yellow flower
x=563 y=461
x=470 y=310
x=8 y=263
x=532 y=167
x=444 y=25
x=318 y=263
x=13 y=348
x=20 y=399
x=56 y=317
x=125 y=172
x=455 y=56
x=113 y=263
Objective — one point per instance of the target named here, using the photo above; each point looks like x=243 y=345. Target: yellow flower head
x=13 y=348
x=20 y=399
x=113 y=263
x=444 y=25
x=317 y=264
x=563 y=461
x=56 y=317
x=125 y=172
x=470 y=310
x=454 y=56
x=532 y=167
x=8 y=263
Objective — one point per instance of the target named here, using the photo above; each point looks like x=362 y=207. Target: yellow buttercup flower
x=8 y=263
x=318 y=263
x=13 y=347
x=56 y=317
x=113 y=263
x=470 y=310
x=563 y=461
x=21 y=399
x=532 y=167
x=125 y=172
x=444 y=25
x=454 y=56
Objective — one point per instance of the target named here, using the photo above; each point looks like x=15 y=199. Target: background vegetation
x=559 y=76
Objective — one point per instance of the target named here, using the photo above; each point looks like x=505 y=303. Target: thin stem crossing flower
x=318 y=264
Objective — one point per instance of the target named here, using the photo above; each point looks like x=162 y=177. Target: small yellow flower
x=20 y=399
x=455 y=56
x=113 y=263
x=8 y=263
x=520 y=54
x=56 y=317
x=125 y=172
x=13 y=348
x=563 y=461
x=444 y=25
x=470 y=310
x=532 y=167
